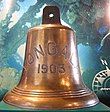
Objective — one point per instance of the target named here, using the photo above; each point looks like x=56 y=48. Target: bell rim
x=51 y=103
x=64 y=108
x=73 y=93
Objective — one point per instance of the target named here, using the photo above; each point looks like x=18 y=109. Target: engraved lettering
x=30 y=59
x=37 y=51
x=64 y=52
x=51 y=48
x=61 y=68
x=44 y=68
x=38 y=68
x=53 y=68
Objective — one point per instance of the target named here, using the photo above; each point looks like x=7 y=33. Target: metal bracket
x=51 y=15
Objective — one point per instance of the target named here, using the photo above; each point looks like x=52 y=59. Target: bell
x=51 y=78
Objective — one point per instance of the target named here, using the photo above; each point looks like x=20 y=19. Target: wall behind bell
x=89 y=18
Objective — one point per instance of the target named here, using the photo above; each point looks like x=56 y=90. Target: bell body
x=51 y=77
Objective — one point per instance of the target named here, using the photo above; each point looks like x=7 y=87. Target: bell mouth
x=51 y=101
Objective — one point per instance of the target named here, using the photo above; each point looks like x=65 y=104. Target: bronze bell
x=51 y=78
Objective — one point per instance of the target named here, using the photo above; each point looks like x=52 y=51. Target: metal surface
x=51 y=77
